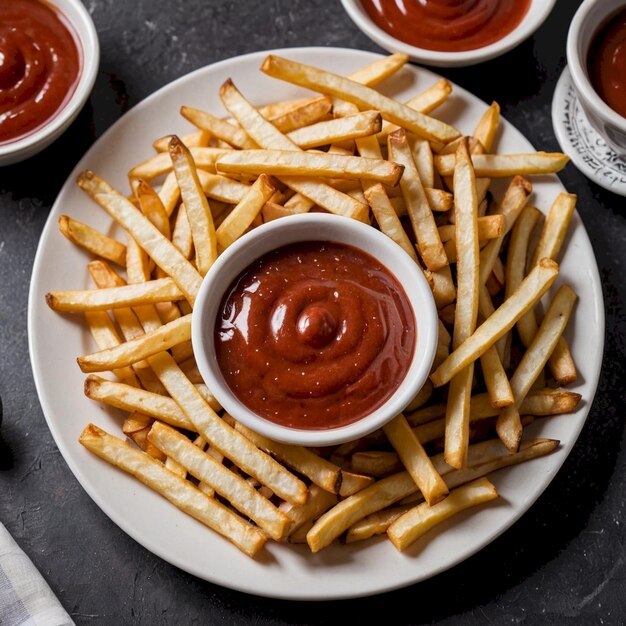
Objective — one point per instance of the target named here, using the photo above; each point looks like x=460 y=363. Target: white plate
x=281 y=571
x=580 y=140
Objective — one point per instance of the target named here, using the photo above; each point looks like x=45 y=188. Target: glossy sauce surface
x=607 y=63
x=315 y=335
x=39 y=66
x=447 y=25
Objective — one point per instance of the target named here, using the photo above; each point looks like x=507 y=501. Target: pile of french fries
x=354 y=152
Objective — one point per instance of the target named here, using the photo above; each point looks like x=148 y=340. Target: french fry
x=229 y=133
x=161 y=163
x=352 y=483
x=269 y=137
x=226 y=439
x=340 y=129
x=530 y=290
x=424 y=227
x=376 y=463
x=290 y=163
x=152 y=207
x=165 y=255
x=240 y=218
x=177 y=490
x=222 y=188
x=160 y=290
x=489 y=227
x=487 y=127
x=379 y=70
x=199 y=138
x=364 y=97
x=534 y=360
x=205 y=468
x=196 y=205
x=501 y=165
x=425 y=393
x=466 y=313
x=387 y=218
x=412 y=525
x=93 y=240
x=318 y=502
x=321 y=472
x=309 y=111
x=139 y=348
x=415 y=459
x=169 y=193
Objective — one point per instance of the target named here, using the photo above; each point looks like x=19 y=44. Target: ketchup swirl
x=315 y=335
x=39 y=66
x=447 y=25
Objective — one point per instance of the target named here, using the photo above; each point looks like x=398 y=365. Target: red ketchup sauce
x=607 y=63
x=447 y=25
x=39 y=66
x=315 y=335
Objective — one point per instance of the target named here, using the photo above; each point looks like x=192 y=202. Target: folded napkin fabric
x=25 y=597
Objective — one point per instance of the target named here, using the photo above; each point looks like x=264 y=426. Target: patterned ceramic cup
x=589 y=19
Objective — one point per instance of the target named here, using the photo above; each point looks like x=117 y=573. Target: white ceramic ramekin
x=314 y=227
x=534 y=18
x=89 y=51
x=589 y=19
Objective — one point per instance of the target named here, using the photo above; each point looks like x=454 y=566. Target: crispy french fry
x=177 y=490
x=352 y=483
x=92 y=240
x=379 y=70
x=222 y=188
x=489 y=227
x=226 y=439
x=309 y=111
x=528 y=293
x=534 y=360
x=487 y=127
x=205 y=468
x=196 y=205
x=160 y=290
x=499 y=165
x=199 y=138
x=387 y=218
x=169 y=193
x=415 y=459
x=376 y=463
x=240 y=218
x=321 y=472
x=318 y=502
x=139 y=348
x=290 y=163
x=364 y=97
x=161 y=163
x=165 y=255
x=429 y=243
x=412 y=525
x=152 y=207
x=225 y=131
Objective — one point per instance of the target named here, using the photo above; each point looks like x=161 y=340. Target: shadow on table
x=6 y=455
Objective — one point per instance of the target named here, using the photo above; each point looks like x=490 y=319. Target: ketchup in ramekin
x=40 y=66
x=315 y=335
x=447 y=25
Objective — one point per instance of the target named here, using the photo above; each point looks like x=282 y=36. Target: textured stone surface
x=562 y=562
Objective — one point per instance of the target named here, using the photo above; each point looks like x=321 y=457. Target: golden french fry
x=412 y=525
x=92 y=240
x=500 y=165
x=376 y=523
x=290 y=163
x=200 y=138
x=415 y=459
x=318 y=502
x=139 y=348
x=225 y=131
x=240 y=218
x=148 y=236
x=321 y=472
x=226 y=439
x=534 y=360
x=181 y=235
x=352 y=483
x=425 y=393
x=364 y=97
x=376 y=463
x=235 y=489
x=160 y=290
x=487 y=127
x=267 y=136
x=387 y=218
x=309 y=111
x=429 y=243
x=177 y=490
x=529 y=292
x=379 y=70
x=152 y=207
x=196 y=205
x=489 y=227
x=496 y=380
x=466 y=313
x=161 y=163
x=555 y=227
x=340 y=129
x=169 y=193
x=222 y=188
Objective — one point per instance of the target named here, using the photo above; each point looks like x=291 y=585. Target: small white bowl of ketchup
x=314 y=329
x=448 y=33
x=596 y=56
x=49 y=55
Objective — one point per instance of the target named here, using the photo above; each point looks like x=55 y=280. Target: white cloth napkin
x=25 y=597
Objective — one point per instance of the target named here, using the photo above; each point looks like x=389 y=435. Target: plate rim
x=129 y=528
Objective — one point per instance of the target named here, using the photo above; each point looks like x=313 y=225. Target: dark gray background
x=562 y=562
